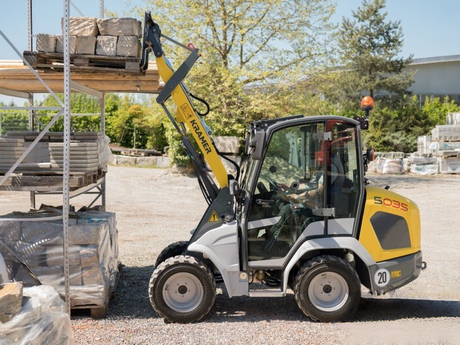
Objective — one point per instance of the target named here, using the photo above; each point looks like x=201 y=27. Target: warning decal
x=214 y=217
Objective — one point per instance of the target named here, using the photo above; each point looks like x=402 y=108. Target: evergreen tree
x=370 y=47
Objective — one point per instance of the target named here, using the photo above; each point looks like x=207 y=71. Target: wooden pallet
x=140 y=152
x=48 y=181
x=83 y=63
x=99 y=311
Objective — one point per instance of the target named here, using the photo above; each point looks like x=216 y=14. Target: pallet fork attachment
x=186 y=115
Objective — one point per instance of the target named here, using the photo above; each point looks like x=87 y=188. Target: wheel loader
x=299 y=216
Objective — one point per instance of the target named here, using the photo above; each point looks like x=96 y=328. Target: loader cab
x=302 y=179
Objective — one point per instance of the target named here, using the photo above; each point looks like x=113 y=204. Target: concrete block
x=60 y=44
x=89 y=257
x=119 y=27
x=11 y=300
x=85 y=234
x=163 y=162
x=39 y=154
x=123 y=160
x=85 y=45
x=55 y=256
x=75 y=278
x=46 y=43
x=106 y=45
x=83 y=26
x=128 y=46
x=92 y=276
x=54 y=276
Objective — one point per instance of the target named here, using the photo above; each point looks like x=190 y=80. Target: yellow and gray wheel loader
x=298 y=216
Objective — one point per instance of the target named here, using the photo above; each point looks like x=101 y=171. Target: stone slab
x=106 y=45
x=10 y=300
x=83 y=26
x=55 y=255
x=46 y=43
x=92 y=276
x=129 y=46
x=89 y=257
x=119 y=27
x=60 y=44
x=85 y=45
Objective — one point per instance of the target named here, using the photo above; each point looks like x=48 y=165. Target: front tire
x=174 y=249
x=182 y=289
x=327 y=289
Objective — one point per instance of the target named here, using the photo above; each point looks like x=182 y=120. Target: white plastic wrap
x=42 y=320
x=424 y=169
x=36 y=246
x=3 y=273
x=104 y=153
x=449 y=165
x=392 y=167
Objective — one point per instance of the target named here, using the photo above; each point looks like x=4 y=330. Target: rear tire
x=182 y=289
x=327 y=289
x=174 y=249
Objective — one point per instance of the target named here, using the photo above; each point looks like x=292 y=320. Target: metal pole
x=101 y=8
x=66 y=157
x=29 y=26
x=103 y=185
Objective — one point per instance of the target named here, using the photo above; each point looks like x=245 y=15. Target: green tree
x=370 y=47
x=248 y=47
x=396 y=127
x=437 y=109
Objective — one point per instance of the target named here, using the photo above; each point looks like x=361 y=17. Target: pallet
x=99 y=311
x=140 y=152
x=83 y=63
x=48 y=182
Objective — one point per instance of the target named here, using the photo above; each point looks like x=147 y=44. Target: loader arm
x=186 y=114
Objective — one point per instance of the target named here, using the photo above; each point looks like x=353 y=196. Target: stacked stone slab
x=33 y=244
x=91 y=36
x=85 y=152
x=127 y=32
x=446 y=145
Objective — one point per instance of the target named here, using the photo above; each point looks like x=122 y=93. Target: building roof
x=436 y=59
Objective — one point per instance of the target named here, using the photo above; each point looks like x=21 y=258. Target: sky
x=430 y=27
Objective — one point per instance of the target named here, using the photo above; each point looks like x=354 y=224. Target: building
x=436 y=77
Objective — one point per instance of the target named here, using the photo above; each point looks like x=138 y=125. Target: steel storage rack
x=37 y=73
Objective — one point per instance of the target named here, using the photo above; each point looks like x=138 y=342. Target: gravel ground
x=155 y=208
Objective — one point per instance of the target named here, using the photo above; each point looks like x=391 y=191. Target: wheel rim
x=328 y=291
x=183 y=292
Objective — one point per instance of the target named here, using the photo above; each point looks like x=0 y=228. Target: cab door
x=286 y=191
x=343 y=187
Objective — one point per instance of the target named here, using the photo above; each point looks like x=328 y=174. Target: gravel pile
x=155 y=208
